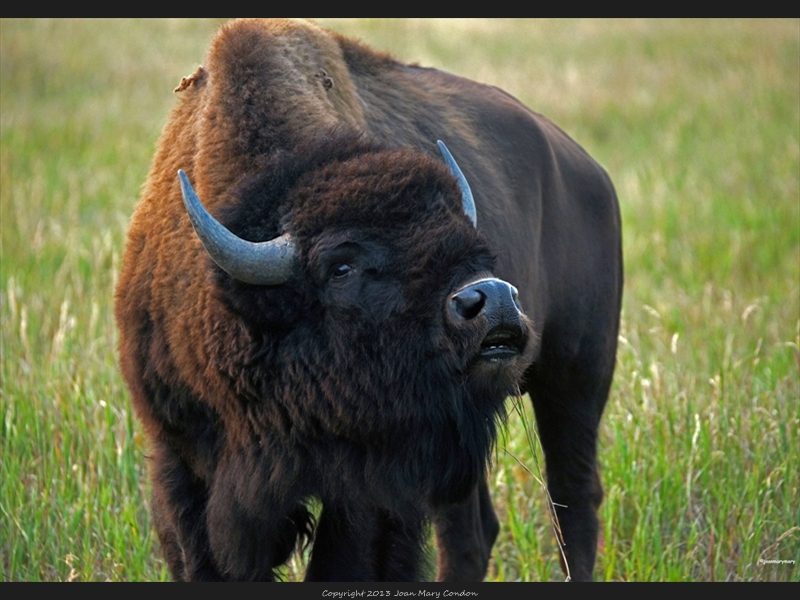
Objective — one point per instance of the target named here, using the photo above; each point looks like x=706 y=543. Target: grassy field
x=698 y=124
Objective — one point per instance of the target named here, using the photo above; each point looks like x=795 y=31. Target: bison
x=320 y=305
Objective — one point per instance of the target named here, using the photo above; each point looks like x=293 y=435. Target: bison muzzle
x=320 y=306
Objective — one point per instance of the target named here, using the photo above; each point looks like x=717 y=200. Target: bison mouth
x=506 y=342
x=492 y=304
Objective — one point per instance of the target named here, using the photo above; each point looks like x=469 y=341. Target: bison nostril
x=468 y=303
x=515 y=296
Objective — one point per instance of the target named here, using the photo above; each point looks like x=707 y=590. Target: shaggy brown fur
x=360 y=390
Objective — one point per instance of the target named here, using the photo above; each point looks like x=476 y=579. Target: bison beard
x=366 y=364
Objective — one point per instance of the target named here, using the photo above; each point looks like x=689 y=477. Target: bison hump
x=272 y=83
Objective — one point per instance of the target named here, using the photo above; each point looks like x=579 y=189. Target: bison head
x=373 y=318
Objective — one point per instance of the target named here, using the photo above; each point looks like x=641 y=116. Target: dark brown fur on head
x=369 y=361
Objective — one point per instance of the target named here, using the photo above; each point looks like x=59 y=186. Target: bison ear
x=466 y=194
x=258 y=263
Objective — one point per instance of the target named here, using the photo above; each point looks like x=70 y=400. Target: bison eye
x=340 y=271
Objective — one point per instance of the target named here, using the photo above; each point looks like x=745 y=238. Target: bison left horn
x=259 y=263
x=466 y=194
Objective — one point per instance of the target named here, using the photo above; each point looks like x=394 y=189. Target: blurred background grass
x=698 y=124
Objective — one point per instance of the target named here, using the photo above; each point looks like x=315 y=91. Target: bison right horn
x=467 y=200
x=259 y=263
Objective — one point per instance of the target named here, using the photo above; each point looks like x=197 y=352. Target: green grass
x=698 y=123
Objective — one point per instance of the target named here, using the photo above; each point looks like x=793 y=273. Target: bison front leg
x=178 y=505
x=252 y=529
x=367 y=544
x=465 y=534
